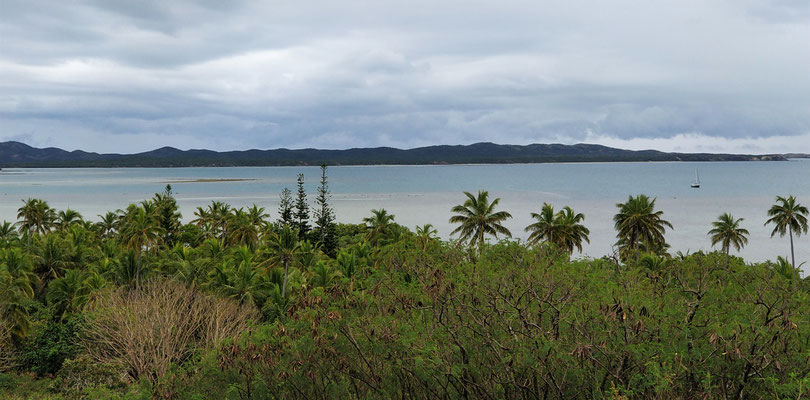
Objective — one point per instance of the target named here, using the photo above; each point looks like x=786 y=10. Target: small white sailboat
x=696 y=183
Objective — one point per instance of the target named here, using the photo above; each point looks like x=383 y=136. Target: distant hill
x=16 y=154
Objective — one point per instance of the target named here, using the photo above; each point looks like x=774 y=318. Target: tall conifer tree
x=325 y=216
x=301 y=210
x=285 y=207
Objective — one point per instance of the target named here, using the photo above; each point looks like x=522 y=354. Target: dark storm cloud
x=127 y=76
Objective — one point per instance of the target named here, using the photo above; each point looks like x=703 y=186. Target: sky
x=673 y=75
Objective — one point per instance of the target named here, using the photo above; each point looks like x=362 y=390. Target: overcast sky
x=680 y=75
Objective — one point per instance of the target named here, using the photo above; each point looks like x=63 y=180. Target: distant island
x=16 y=154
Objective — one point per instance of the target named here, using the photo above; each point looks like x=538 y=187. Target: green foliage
x=562 y=229
x=477 y=219
x=322 y=275
x=301 y=210
x=284 y=248
x=73 y=292
x=285 y=207
x=516 y=324
x=308 y=255
x=7 y=382
x=50 y=344
x=394 y=314
x=348 y=264
x=640 y=227
x=325 y=217
x=25 y=387
x=788 y=216
x=81 y=375
x=378 y=225
x=168 y=216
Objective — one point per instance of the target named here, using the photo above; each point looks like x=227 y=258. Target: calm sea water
x=424 y=194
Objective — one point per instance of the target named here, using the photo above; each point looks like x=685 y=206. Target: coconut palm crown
x=637 y=223
x=728 y=233
x=477 y=218
x=563 y=228
x=789 y=217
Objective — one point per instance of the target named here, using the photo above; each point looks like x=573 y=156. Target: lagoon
x=424 y=194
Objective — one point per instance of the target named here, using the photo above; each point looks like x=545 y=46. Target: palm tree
x=150 y=207
x=14 y=293
x=308 y=255
x=68 y=294
x=203 y=220
x=378 y=225
x=478 y=218
x=26 y=216
x=126 y=268
x=424 y=234
x=241 y=229
x=727 y=231
x=35 y=217
x=348 y=263
x=141 y=230
x=545 y=227
x=7 y=234
x=19 y=265
x=638 y=224
x=108 y=223
x=573 y=232
x=52 y=256
x=284 y=247
x=323 y=275
x=789 y=217
x=782 y=267
x=563 y=229
x=257 y=216
x=219 y=213
x=67 y=217
x=187 y=268
x=244 y=283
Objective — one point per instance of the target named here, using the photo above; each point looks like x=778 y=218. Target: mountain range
x=16 y=154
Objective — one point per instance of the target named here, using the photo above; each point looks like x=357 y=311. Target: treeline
x=232 y=305
x=15 y=154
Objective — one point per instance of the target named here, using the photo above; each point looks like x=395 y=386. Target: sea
x=423 y=194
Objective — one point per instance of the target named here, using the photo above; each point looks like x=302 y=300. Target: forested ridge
x=234 y=305
x=16 y=154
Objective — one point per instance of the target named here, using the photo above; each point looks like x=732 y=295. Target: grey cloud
x=229 y=75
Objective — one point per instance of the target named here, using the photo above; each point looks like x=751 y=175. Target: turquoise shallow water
x=424 y=194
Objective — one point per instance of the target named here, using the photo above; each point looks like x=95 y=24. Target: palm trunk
x=284 y=282
x=138 y=270
x=792 y=256
x=727 y=251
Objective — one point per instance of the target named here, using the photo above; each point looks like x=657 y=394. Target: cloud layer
x=720 y=75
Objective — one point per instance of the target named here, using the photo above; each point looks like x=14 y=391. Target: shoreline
x=12 y=168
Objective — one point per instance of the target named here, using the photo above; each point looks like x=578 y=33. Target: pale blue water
x=425 y=194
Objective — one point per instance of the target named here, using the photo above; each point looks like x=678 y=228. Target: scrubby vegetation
x=234 y=306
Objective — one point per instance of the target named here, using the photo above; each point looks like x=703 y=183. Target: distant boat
x=696 y=183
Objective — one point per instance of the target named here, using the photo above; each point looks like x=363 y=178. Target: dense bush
x=50 y=344
x=516 y=324
x=7 y=352
x=79 y=375
x=233 y=306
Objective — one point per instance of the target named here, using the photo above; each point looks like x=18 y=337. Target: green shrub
x=80 y=374
x=49 y=345
x=7 y=382
x=517 y=322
